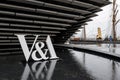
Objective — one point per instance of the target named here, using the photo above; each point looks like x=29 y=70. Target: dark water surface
x=72 y=65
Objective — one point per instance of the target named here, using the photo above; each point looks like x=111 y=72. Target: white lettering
x=39 y=70
x=38 y=46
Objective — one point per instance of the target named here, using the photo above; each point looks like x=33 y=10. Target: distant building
x=75 y=39
x=99 y=35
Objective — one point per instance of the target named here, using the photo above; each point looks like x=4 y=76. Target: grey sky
x=103 y=20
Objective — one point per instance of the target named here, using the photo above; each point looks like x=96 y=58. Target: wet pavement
x=110 y=48
x=72 y=65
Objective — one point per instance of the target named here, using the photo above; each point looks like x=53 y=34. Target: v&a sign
x=38 y=46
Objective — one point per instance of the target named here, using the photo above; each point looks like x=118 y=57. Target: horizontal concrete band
x=89 y=50
x=61 y=18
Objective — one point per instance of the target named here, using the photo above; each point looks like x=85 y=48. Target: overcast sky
x=103 y=20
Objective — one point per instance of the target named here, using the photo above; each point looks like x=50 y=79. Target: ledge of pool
x=89 y=50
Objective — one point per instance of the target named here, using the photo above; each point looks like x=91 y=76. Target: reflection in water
x=99 y=44
x=100 y=68
x=112 y=48
x=84 y=58
x=39 y=70
x=113 y=71
x=75 y=66
x=11 y=68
